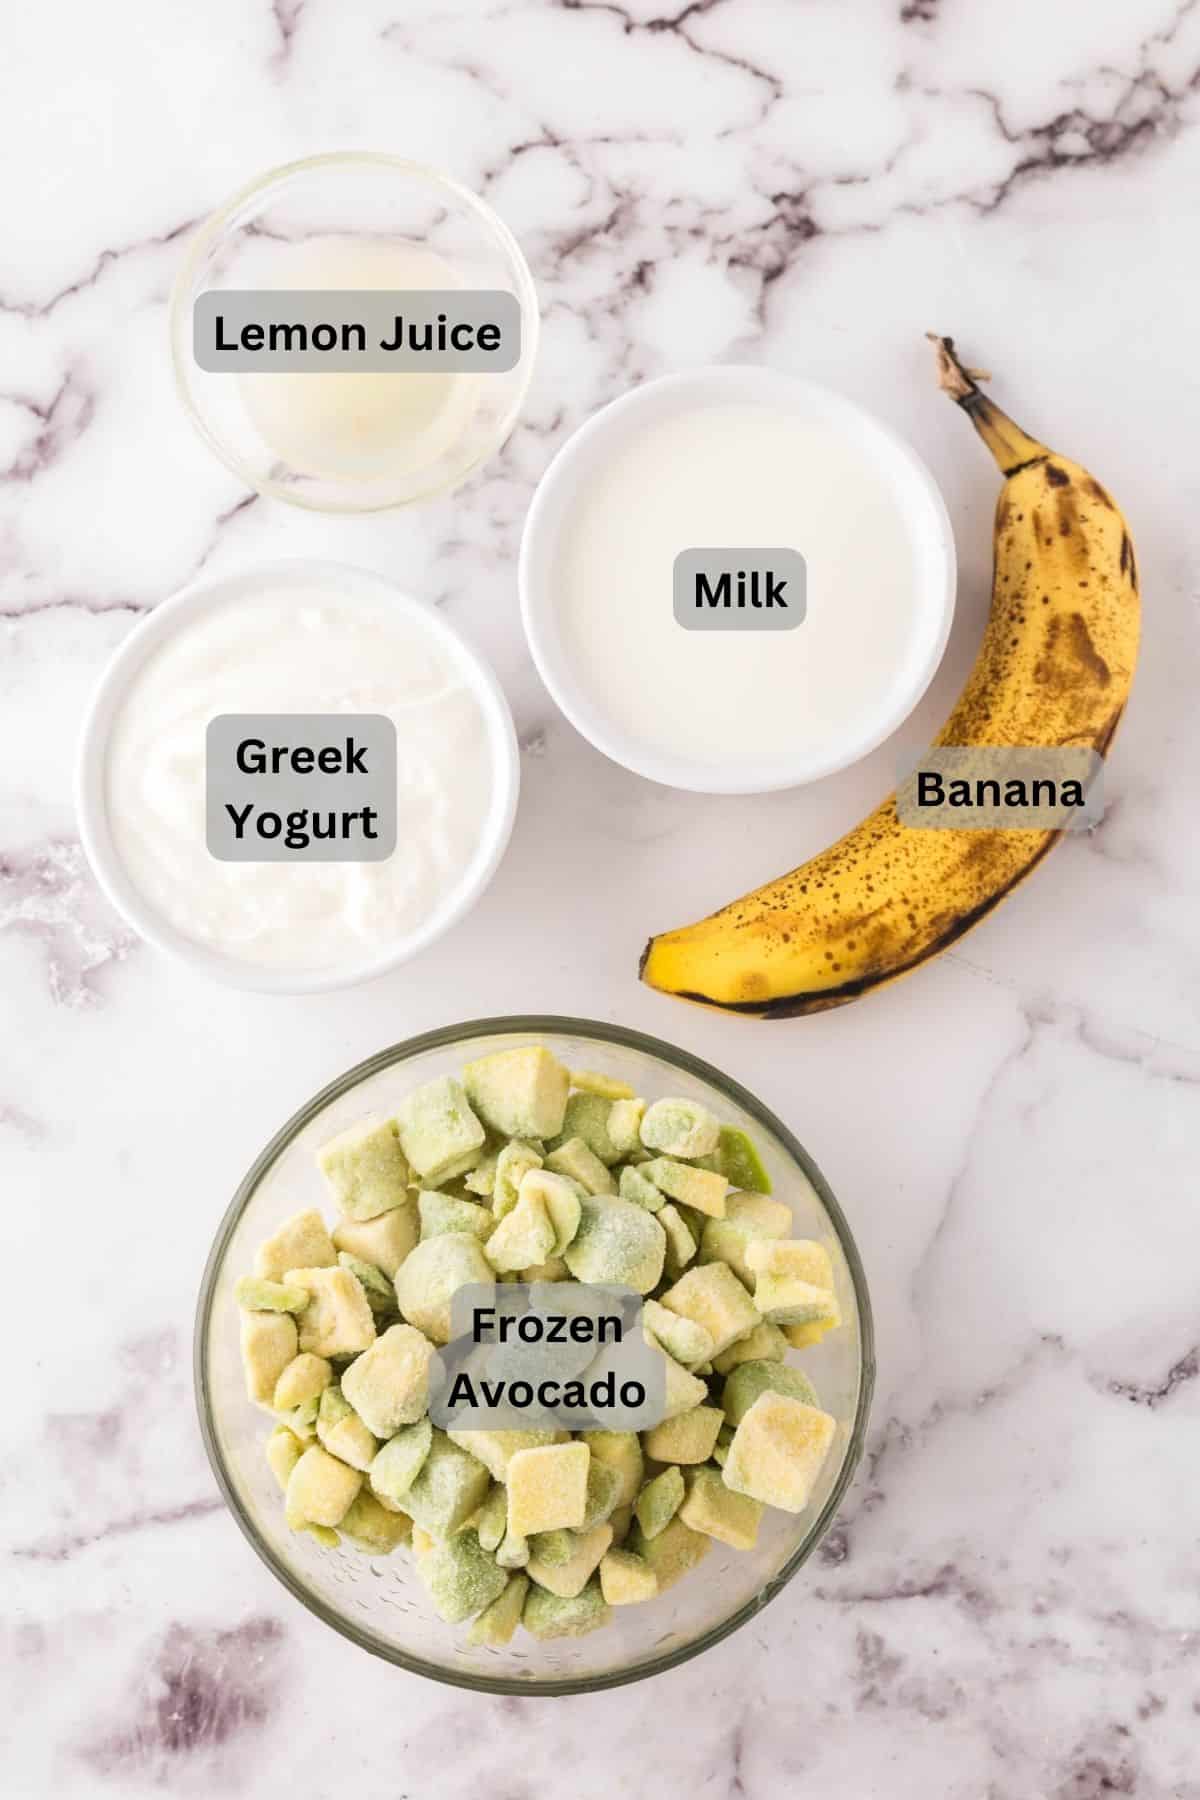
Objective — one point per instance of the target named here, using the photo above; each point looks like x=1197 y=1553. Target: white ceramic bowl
x=581 y=460
x=353 y=585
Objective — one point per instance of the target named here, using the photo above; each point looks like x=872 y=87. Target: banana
x=1054 y=668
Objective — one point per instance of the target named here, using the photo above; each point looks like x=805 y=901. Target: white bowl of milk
x=734 y=580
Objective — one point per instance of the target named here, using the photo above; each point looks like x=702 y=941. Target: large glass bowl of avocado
x=534 y=1150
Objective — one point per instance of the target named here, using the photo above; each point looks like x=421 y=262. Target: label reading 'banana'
x=982 y=788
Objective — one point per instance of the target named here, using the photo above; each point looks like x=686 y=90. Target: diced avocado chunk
x=374 y=1527
x=738 y=1160
x=496 y=1449
x=491 y=1521
x=388 y=1385
x=496 y=1623
x=269 y=1343
x=519 y=1093
x=383 y=1242
x=302 y=1242
x=381 y=1295
x=396 y=1466
x=624 y=1126
x=747 y=1217
x=582 y=1165
x=570 y=1577
x=343 y=1433
x=685 y=1340
x=680 y=1128
x=625 y=1578
x=658 y=1502
x=714 y=1297
x=547 y=1615
x=711 y=1507
x=620 y=1451
x=284 y=1451
x=482 y=1178
x=675 y=1550
x=513 y=1552
x=766 y=1343
x=617 y=1242
x=440 y=1213
x=603 y=1490
x=253 y=1294
x=337 y=1320
x=439 y=1133
x=305 y=1378
x=524 y=1236
x=366 y=1169
x=586 y=1117
x=461 y=1578
x=589 y=1081
x=681 y=1240
x=750 y=1379
x=778 y=1450
x=513 y=1163
x=687 y=1438
x=450 y=1485
x=698 y=1188
x=320 y=1489
x=641 y=1192
x=547 y=1488
x=432 y=1274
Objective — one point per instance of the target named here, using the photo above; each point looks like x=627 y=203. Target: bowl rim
x=91 y=760
x=209 y=233
x=532 y=1024
x=553 y=496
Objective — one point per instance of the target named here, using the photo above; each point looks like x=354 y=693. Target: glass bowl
x=281 y=232
x=380 y=1604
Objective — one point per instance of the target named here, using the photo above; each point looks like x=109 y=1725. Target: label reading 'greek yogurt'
x=301 y=787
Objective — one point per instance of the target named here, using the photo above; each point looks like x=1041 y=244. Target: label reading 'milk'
x=739 y=590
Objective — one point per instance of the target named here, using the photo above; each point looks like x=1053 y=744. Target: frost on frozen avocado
x=569 y=1183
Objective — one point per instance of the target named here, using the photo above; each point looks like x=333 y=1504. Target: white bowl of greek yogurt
x=281 y=646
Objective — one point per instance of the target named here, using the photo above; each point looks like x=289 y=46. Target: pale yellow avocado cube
x=681 y=1389
x=713 y=1296
x=784 y=1295
x=343 y=1433
x=496 y=1623
x=269 y=1344
x=681 y=1338
x=566 y=1579
x=431 y=1275
x=680 y=1128
x=625 y=1125
x=681 y=1241
x=337 y=1320
x=320 y=1489
x=439 y=1134
x=589 y=1081
x=520 y=1093
x=384 y=1242
x=388 y=1385
x=801 y=1259
x=711 y=1507
x=778 y=1451
x=562 y=1198
x=582 y=1165
x=672 y=1553
x=496 y=1449
x=688 y=1438
x=373 y=1527
x=803 y=1337
x=284 y=1451
x=547 y=1488
x=747 y=1217
x=366 y=1169
x=766 y=1343
x=698 y=1188
x=554 y=1270
x=302 y=1242
x=626 y=1579
x=305 y=1378
x=524 y=1236
x=512 y=1165
x=621 y=1451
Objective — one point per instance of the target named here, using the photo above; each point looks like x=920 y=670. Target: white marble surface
x=1010 y=1604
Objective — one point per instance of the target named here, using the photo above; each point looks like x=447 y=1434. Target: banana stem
x=1012 y=448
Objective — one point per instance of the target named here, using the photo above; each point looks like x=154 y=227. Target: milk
x=737 y=473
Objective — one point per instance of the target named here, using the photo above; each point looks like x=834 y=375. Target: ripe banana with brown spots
x=1054 y=668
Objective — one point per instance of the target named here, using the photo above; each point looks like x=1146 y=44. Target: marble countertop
x=1009 y=1605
